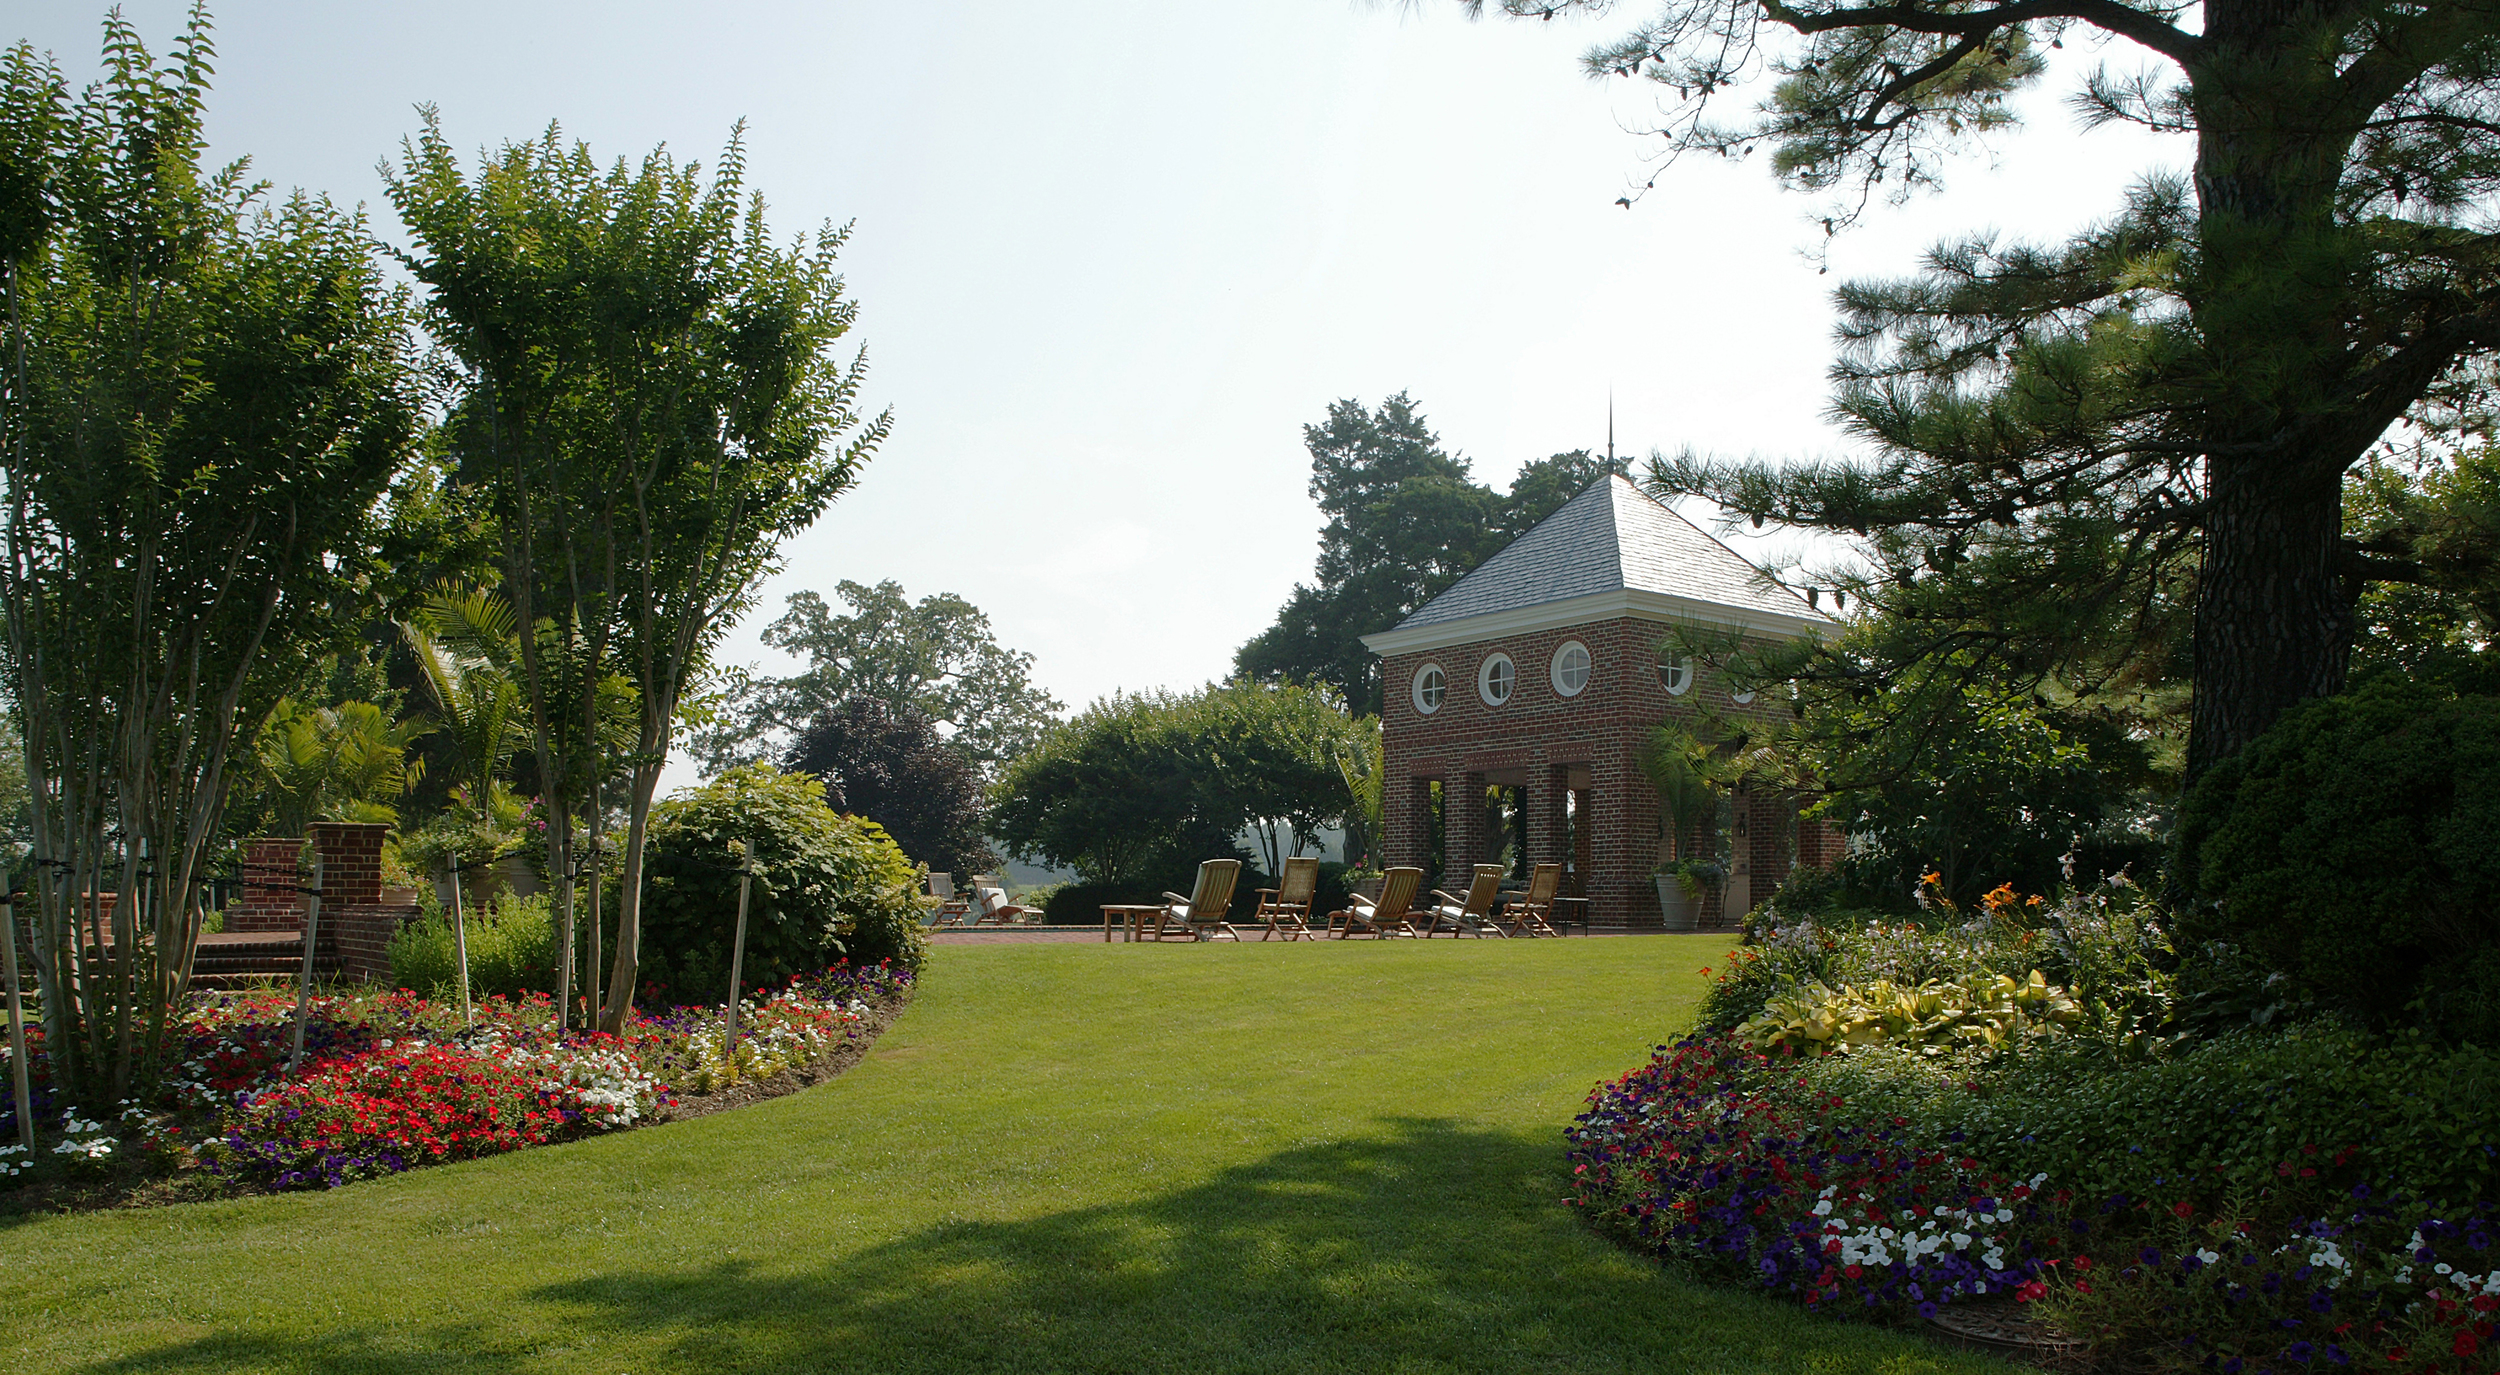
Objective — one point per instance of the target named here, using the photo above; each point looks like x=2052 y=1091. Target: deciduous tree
x=204 y=393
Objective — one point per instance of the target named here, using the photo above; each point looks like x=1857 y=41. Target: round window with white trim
x=1742 y=699
x=1431 y=685
x=1495 y=680
x=1675 y=670
x=1571 y=668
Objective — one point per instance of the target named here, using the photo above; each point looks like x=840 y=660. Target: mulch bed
x=192 y=1184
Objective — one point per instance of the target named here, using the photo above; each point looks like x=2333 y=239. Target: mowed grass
x=1063 y=1158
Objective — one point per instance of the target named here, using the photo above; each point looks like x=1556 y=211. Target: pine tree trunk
x=2274 y=617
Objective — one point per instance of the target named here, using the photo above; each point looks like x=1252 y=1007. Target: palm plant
x=465 y=647
x=343 y=763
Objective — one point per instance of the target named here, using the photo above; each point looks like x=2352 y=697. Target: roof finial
x=1610 y=429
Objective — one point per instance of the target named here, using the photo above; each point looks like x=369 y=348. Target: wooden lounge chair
x=1388 y=915
x=1286 y=908
x=947 y=908
x=1200 y=916
x=1533 y=914
x=990 y=907
x=1471 y=915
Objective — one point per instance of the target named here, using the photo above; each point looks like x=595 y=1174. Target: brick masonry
x=356 y=925
x=1538 y=739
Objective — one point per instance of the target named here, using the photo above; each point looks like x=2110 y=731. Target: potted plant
x=1683 y=885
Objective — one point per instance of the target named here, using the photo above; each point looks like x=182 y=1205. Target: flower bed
x=2257 y=1201
x=392 y=1081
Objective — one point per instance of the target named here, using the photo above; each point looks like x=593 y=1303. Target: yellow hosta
x=1978 y=1012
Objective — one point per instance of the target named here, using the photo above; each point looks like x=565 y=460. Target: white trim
x=1554 y=669
x=1415 y=688
x=1484 y=679
x=1598 y=606
x=1692 y=672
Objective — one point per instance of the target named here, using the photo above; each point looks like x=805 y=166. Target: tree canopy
x=1404 y=521
x=205 y=392
x=890 y=766
x=650 y=395
x=2091 y=461
x=1136 y=789
x=936 y=657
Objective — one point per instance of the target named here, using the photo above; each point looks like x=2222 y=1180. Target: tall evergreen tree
x=1404 y=521
x=2083 y=454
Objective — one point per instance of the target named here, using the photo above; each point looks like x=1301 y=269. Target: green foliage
x=1081 y=904
x=342 y=763
x=1404 y=521
x=2224 y=1113
x=1976 y=1012
x=936 y=657
x=512 y=950
x=206 y=392
x=1136 y=790
x=826 y=886
x=2444 y=518
x=650 y=399
x=2350 y=849
x=889 y=765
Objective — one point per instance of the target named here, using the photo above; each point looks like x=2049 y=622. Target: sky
x=1112 y=255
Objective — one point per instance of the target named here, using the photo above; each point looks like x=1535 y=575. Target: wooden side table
x=1129 y=915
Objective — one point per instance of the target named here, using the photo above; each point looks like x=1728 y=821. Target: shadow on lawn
x=1430 y=1247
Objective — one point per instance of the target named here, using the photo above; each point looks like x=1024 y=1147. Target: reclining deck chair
x=1471 y=915
x=1385 y=917
x=990 y=907
x=1287 y=907
x=1200 y=916
x=946 y=908
x=1533 y=913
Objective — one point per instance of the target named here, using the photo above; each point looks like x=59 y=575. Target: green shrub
x=2350 y=848
x=1081 y=904
x=826 y=887
x=2227 y=1113
x=512 y=948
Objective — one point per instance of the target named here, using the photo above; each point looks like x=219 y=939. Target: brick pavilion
x=1516 y=702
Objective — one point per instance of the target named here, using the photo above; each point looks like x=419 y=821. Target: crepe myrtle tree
x=203 y=395
x=2082 y=454
x=651 y=397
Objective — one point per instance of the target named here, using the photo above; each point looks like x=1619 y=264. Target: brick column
x=1406 y=814
x=1623 y=821
x=351 y=860
x=1462 y=803
x=1543 y=799
x=1819 y=843
x=267 y=899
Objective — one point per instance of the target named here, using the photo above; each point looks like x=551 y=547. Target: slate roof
x=1611 y=538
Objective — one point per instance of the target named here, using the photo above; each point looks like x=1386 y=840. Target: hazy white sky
x=1113 y=254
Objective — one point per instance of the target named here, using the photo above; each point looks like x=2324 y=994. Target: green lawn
x=1064 y=1158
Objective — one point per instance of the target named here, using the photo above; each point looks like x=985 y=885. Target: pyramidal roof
x=1609 y=551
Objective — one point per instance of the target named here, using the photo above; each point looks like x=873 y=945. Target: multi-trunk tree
x=2084 y=457
x=651 y=402
x=203 y=395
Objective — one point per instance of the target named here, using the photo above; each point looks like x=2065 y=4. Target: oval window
x=1495 y=680
x=1676 y=671
x=1431 y=685
x=1571 y=668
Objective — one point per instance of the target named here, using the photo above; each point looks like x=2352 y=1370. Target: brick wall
x=267 y=900
x=356 y=925
x=1536 y=736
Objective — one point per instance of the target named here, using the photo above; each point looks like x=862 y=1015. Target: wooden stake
x=460 y=943
x=17 y=1030
x=737 y=959
x=303 y=989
